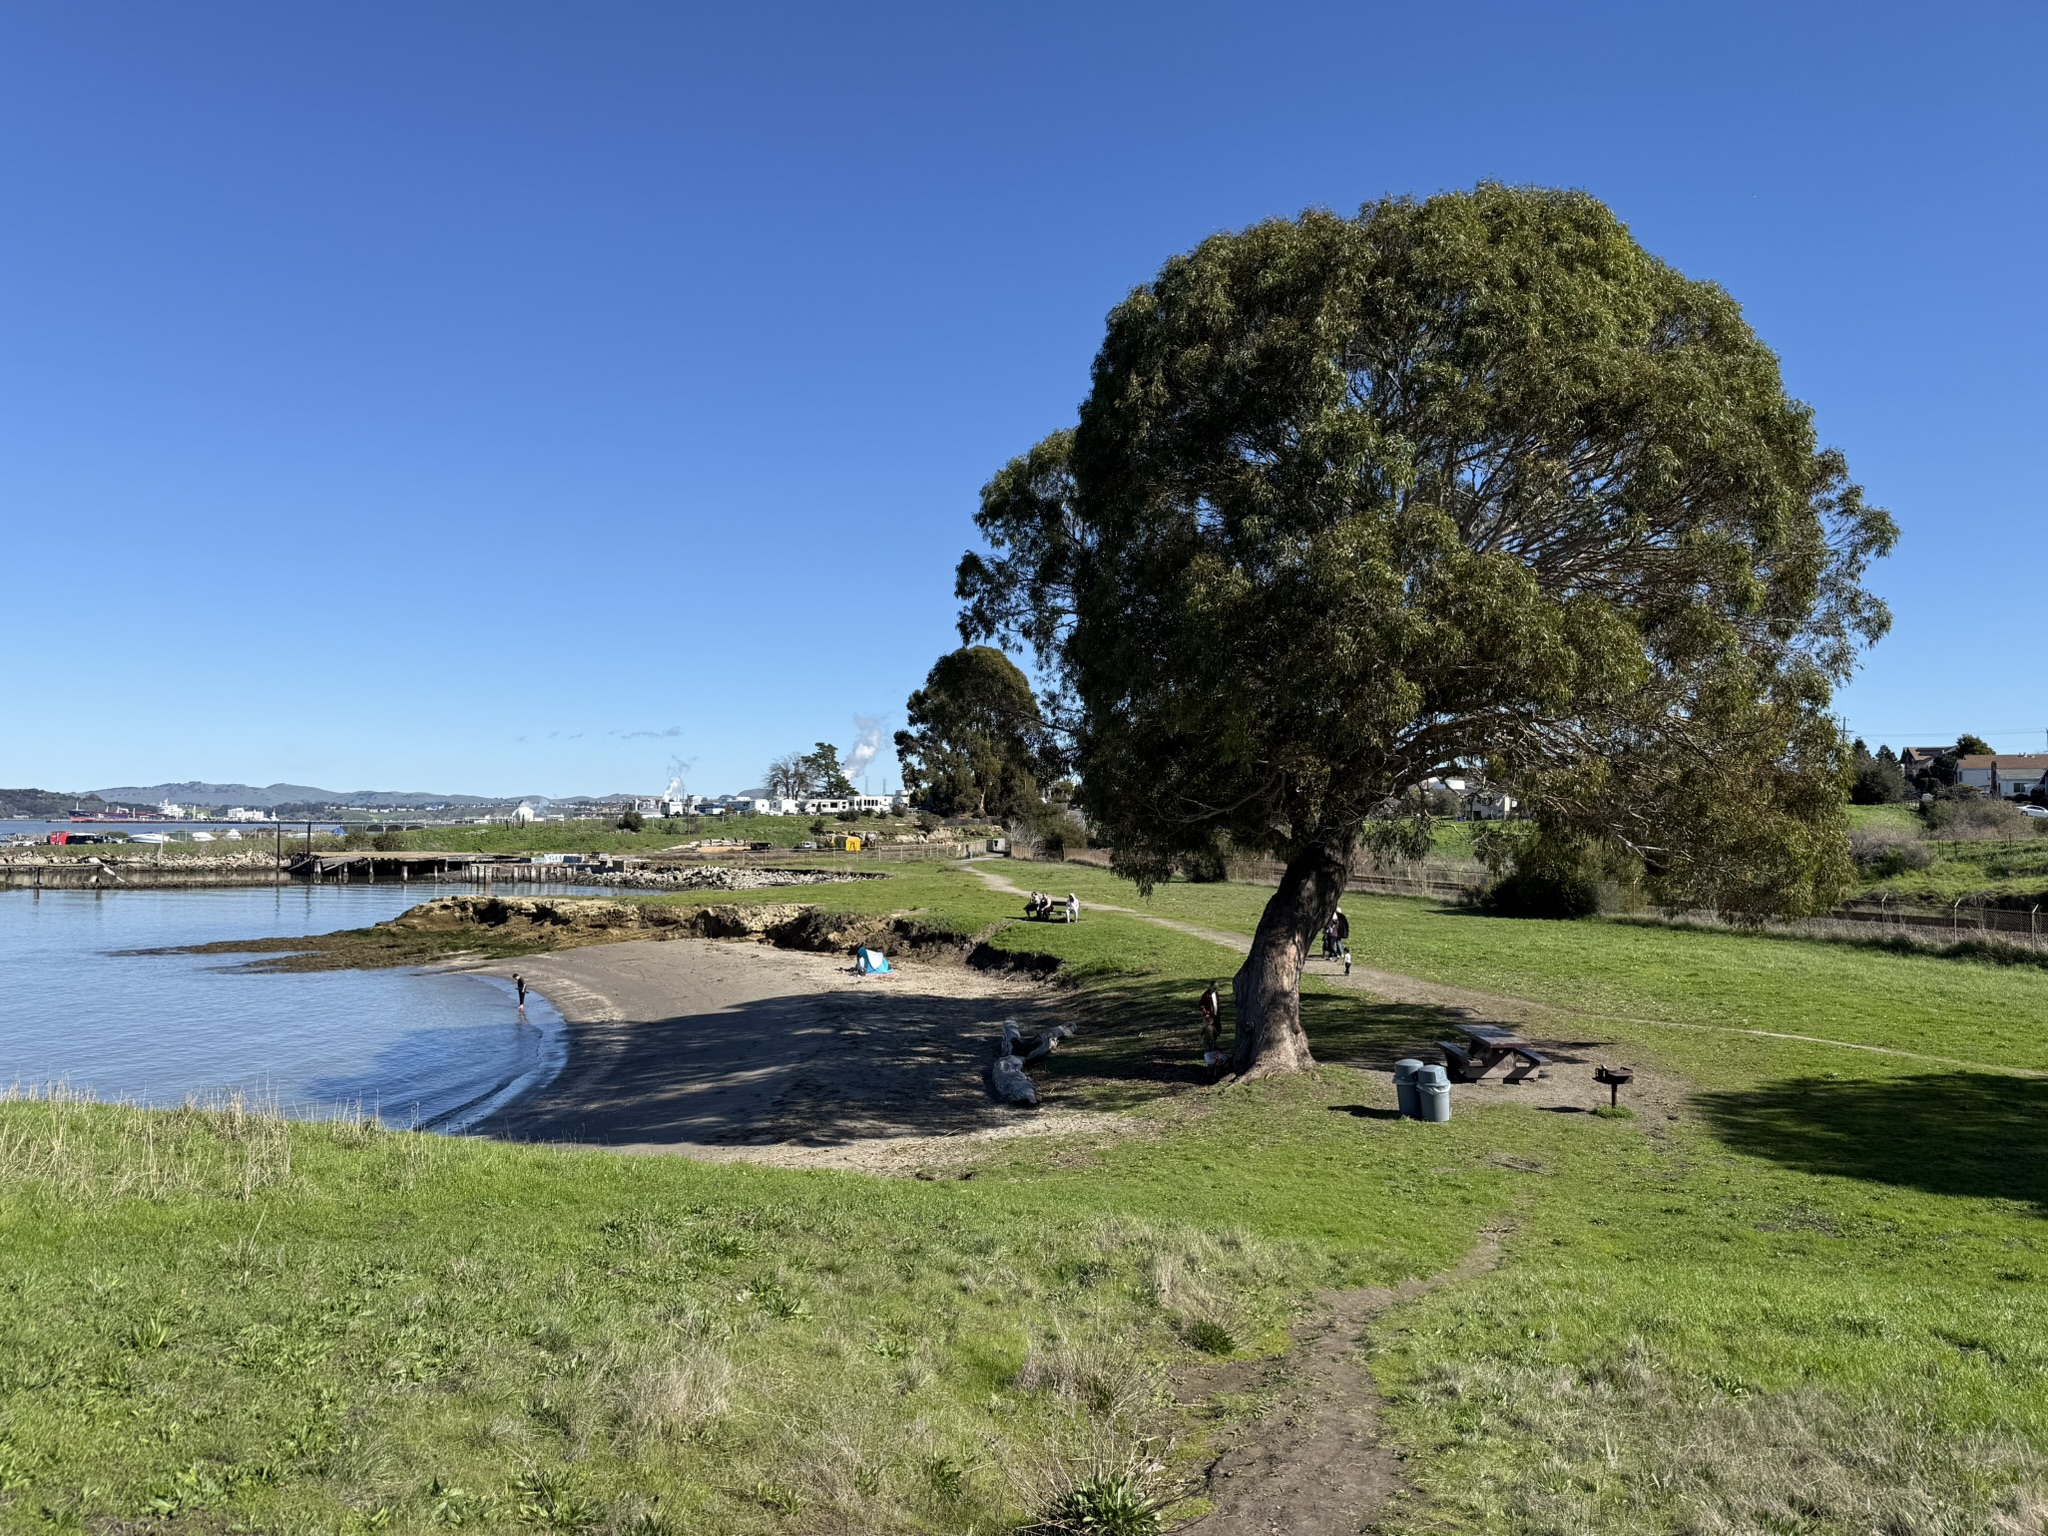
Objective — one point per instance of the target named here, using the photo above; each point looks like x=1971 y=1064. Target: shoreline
x=508 y=879
x=541 y=1014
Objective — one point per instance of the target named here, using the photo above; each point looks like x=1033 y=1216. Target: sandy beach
x=723 y=1049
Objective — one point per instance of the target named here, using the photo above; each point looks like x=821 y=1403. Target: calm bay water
x=415 y=1047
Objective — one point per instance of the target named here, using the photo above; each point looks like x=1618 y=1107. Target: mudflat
x=732 y=1049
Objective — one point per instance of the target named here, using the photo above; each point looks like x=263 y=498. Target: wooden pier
x=396 y=868
x=406 y=868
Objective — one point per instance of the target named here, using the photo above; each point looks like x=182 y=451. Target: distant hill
x=43 y=804
x=193 y=793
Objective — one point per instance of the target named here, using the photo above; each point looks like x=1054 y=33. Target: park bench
x=1489 y=1046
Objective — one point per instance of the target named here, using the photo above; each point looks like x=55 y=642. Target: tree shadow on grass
x=1143 y=1035
x=1952 y=1133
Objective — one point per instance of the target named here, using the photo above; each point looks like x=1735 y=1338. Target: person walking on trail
x=520 y=982
x=1212 y=1027
x=1340 y=925
x=1073 y=908
x=1330 y=939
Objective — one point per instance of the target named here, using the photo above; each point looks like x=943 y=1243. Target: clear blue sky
x=515 y=397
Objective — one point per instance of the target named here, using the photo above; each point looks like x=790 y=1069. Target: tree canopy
x=1875 y=779
x=1470 y=481
x=977 y=743
x=816 y=772
x=786 y=776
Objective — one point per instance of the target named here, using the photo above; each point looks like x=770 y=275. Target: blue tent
x=871 y=962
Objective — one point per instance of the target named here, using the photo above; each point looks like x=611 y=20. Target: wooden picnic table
x=1490 y=1046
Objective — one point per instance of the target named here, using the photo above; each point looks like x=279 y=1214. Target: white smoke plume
x=855 y=763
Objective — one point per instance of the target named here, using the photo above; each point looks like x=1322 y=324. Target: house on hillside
x=1486 y=803
x=2007 y=775
x=1915 y=760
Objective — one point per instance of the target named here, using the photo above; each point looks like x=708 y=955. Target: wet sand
x=723 y=1049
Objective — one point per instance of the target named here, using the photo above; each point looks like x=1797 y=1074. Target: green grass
x=1646 y=984
x=290 y=1326
x=2011 y=872
x=2006 y=872
x=1811 y=1298
x=1452 y=839
x=1864 y=817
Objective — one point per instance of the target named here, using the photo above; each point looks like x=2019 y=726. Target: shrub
x=632 y=821
x=1907 y=856
x=1112 y=1505
x=1206 y=868
x=388 y=841
x=1977 y=818
x=1887 y=851
x=1532 y=894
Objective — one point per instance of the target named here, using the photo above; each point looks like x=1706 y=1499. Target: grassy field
x=657 y=834
x=1811 y=1299
x=1865 y=816
x=2004 y=872
x=2007 y=871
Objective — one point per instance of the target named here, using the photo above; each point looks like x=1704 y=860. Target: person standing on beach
x=520 y=983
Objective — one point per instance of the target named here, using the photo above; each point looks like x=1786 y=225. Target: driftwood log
x=1008 y=1075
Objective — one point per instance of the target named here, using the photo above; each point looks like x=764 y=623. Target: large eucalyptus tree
x=1470 y=481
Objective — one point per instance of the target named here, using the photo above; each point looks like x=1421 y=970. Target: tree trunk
x=1267 y=988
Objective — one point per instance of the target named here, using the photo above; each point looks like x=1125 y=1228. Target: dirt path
x=1413 y=991
x=1315 y=1464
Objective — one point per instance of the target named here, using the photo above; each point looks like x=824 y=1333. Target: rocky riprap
x=198 y=863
